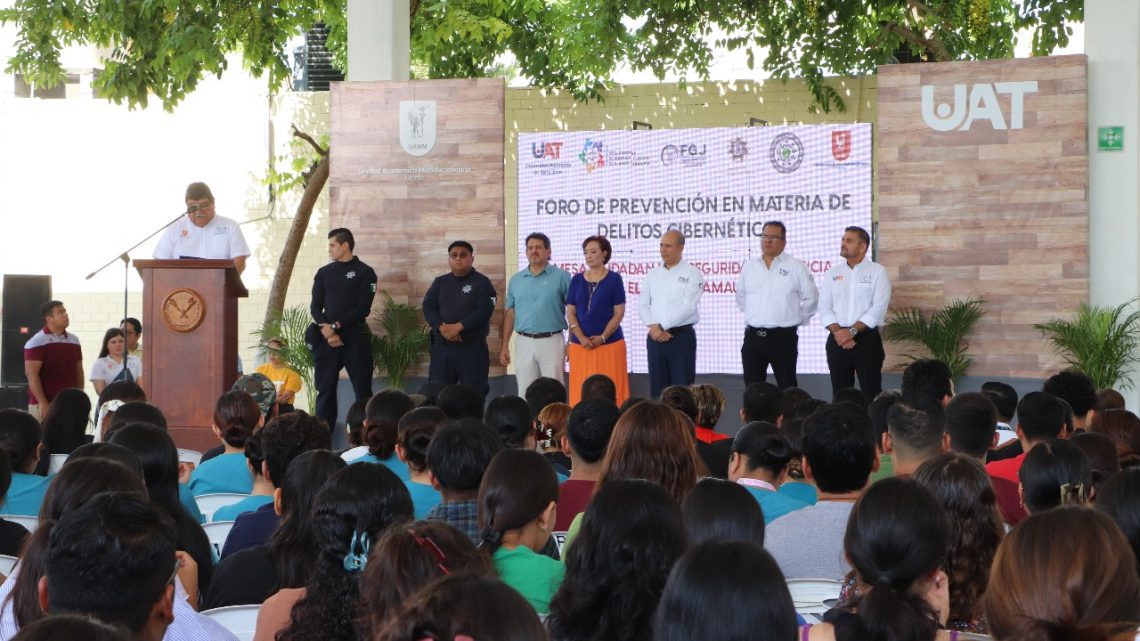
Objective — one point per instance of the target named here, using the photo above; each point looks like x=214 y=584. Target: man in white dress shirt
x=203 y=234
x=777 y=294
x=852 y=306
x=670 y=295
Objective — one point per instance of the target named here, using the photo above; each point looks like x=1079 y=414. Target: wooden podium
x=190 y=311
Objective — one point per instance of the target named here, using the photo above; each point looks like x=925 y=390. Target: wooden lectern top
x=233 y=280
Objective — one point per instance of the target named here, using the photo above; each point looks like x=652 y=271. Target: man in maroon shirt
x=53 y=360
x=1040 y=417
x=588 y=430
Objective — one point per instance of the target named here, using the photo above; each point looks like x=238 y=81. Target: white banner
x=718 y=186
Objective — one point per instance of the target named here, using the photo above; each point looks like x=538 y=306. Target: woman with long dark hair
x=655 y=442
x=962 y=486
x=720 y=509
x=352 y=510
x=114 y=364
x=727 y=591
x=896 y=540
x=616 y=569
x=517 y=509
x=464 y=607
x=66 y=421
x=158 y=458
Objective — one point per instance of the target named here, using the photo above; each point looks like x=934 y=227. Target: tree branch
x=309 y=139
x=941 y=54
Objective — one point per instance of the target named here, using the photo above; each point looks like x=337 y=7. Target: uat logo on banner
x=417 y=126
x=841 y=144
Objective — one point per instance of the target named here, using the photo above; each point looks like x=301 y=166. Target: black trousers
x=673 y=362
x=865 y=360
x=465 y=363
x=355 y=356
x=777 y=346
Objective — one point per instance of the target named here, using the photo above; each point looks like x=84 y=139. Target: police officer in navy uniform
x=458 y=307
x=339 y=338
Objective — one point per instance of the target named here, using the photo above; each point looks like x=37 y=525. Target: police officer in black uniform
x=342 y=298
x=458 y=307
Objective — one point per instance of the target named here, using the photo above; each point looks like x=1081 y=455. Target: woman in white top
x=112 y=365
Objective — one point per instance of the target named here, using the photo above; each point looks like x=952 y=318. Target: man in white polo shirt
x=670 y=295
x=852 y=306
x=203 y=234
x=777 y=294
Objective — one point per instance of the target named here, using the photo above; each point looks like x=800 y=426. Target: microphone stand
x=125 y=257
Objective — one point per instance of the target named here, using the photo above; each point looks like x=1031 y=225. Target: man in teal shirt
x=536 y=314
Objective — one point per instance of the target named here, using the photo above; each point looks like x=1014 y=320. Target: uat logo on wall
x=841 y=144
x=417 y=126
x=983 y=105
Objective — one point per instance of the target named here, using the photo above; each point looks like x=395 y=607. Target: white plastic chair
x=30 y=523
x=217 y=533
x=239 y=619
x=56 y=462
x=209 y=503
x=7 y=563
x=189 y=456
x=814 y=596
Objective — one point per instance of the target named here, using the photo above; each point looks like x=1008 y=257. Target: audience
x=1055 y=473
x=416 y=430
x=1066 y=574
x=719 y=509
x=542 y=392
x=262 y=491
x=727 y=591
x=65 y=425
x=283 y=439
x=406 y=559
x=551 y=427
x=457 y=457
x=382 y=427
x=715 y=455
x=839 y=456
x=896 y=540
x=510 y=418
x=518 y=499
x=1004 y=398
x=460 y=401
x=1040 y=417
x=914 y=433
x=971 y=423
x=928 y=379
x=961 y=485
x=1107 y=399
x=465 y=607
x=354 y=508
x=1077 y=389
x=1123 y=427
x=20 y=438
x=12 y=535
x=710 y=405
x=236 y=416
x=599 y=386
x=354 y=426
x=761 y=402
x=631 y=536
x=1120 y=499
x=1103 y=459
x=71 y=626
x=760 y=457
x=877 y=411
x=588 y=430
x=286 y=560
x=113 y=558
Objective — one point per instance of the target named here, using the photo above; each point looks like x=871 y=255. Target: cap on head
x=260 y=388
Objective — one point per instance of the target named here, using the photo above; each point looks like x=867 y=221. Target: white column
x=1114 y=177
x=379 y=40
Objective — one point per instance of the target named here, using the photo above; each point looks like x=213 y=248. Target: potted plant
x=943 y=334
x=403 y=340
x=1100 y=341
x=290 y=325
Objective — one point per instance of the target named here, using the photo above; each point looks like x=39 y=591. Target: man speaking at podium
x=202 y=233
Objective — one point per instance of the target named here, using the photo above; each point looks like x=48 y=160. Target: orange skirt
x=608 y=359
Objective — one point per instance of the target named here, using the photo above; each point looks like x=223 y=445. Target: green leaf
x=1100 y=341
x=942 y=335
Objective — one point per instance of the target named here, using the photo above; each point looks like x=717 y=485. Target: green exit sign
x=1110 y=138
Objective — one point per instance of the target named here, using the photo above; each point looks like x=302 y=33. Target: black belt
x=765 y=332
x=680 y=329
x=539 y=334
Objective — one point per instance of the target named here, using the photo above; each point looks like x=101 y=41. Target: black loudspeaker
x=14 y=397
x=23 y=295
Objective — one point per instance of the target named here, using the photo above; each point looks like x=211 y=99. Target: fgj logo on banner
x=592 y=155
x=786 y=153
x=984 y=105
x=689 y=155
x=417 y=126
x=841 y=144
